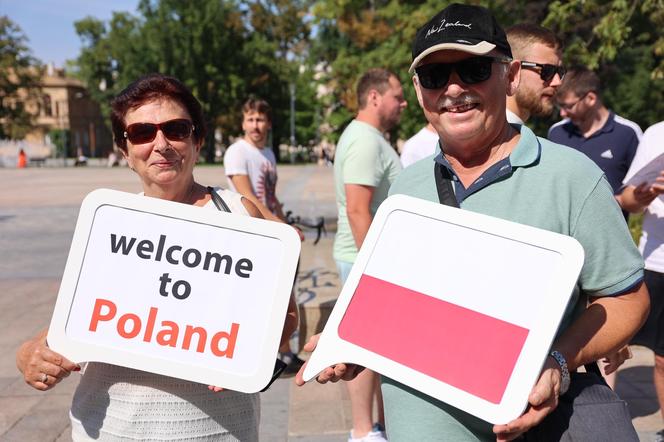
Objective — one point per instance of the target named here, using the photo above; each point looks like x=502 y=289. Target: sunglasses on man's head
x=546 y=71
x=174 y=130
x=470 y=71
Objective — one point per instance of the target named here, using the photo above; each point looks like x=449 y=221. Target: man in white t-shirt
x=419 y=146
x=251 y=169
x=250 y=165
x=637 y=199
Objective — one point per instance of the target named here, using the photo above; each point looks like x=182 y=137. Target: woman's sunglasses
x=546 y=71
x=175 y=130
x=470 y=71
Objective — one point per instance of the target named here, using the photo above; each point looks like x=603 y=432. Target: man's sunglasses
x=546 y=71
x=470 y=71
x=175 y=130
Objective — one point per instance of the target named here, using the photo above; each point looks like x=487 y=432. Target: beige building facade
x=65 y=105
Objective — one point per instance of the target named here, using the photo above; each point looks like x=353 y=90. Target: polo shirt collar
x=528 y=149
x=610 y=123
x=526 y=152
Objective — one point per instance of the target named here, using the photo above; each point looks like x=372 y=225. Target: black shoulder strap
x=444 y=186
x=218 y=201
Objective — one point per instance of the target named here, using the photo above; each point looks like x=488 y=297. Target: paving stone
x=45 y=421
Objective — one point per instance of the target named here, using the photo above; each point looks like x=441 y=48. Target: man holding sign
x=463 y=72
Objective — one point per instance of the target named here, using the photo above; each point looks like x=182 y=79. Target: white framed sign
x=174 y=289
x=456 y=304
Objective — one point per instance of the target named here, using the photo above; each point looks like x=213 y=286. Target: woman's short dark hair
x=152 y=87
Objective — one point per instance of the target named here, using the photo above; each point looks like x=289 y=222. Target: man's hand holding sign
x=475 y=301
x=476 y=343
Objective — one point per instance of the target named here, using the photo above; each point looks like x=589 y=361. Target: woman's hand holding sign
x=42 y=368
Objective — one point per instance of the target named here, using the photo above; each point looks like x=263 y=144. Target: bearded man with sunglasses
x=540 y=53
x=463 y=72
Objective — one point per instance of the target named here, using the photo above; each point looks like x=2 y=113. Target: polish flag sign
x=459 y=305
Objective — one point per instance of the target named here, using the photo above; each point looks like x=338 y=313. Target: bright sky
x=49 y=24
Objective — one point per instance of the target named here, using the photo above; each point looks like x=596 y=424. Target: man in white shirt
x=643 y=199
x=251 y=169
x=419 y=146
x=250 y=165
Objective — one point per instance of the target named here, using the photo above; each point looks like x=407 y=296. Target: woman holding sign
x=159 y=126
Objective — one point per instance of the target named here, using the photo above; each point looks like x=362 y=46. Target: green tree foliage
x=354 y=36
x=19 y=81
x=619 y=38
x=224 y=50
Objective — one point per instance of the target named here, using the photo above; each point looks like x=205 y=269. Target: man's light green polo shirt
x=362 y=156
x=551 y=187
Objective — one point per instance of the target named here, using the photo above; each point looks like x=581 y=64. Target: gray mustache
x=458 y=101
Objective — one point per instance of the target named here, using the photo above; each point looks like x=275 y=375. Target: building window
x=48 y=110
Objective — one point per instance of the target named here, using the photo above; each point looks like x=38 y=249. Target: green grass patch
x=635 y=223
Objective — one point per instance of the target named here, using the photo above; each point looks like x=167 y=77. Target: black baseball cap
x=466 y=28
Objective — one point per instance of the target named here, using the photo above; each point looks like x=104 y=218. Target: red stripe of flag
x=469 y=350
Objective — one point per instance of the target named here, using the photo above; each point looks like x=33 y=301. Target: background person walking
x=365 y=166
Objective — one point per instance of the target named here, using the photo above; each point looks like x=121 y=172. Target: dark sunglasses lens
x=176 y=130
x=548 y=71
x=562 y=71
x=140 y=133
x=433 y=76
x=474 y=70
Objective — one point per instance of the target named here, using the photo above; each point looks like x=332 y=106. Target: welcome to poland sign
x=458 y=305
x=169 y=288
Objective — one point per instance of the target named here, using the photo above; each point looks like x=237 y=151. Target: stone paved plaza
x=38 y=210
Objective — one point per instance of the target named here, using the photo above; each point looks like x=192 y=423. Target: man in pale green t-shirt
x=365 y=165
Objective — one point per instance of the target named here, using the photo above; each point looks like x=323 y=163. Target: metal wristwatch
x=564 y=371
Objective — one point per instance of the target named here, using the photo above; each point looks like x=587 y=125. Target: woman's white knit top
x=115 y=403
